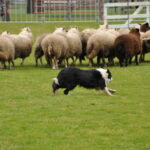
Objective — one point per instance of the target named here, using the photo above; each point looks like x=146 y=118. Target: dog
x=70 y=77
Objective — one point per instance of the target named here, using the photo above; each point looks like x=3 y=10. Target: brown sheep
x=145 y=47
x=128 y=45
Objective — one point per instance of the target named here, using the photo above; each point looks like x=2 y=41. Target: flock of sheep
x=61 y=45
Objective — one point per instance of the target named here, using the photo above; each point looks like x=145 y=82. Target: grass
x=32 y=118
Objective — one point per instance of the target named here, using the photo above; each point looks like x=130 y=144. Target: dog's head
x=106 y=74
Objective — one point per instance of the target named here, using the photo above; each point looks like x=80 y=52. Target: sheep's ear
x=64 y=28
x=26 y=28
x=76 y=27
x=107 y=26
x=147 y=24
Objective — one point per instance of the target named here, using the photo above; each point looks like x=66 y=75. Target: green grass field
x=32 y=118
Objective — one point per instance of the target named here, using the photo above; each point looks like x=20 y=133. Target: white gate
x=140 y=13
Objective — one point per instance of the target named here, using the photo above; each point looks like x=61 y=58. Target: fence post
x=105 y=15
x=148 y=14
x=101 y=10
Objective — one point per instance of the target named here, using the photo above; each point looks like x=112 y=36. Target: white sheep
x=55 y=47
x=22 y=43
x=75 y=44
x=101 y=44
x=7 y=51
x=123 y=31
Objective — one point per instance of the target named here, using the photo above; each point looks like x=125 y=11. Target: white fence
x=130 y=17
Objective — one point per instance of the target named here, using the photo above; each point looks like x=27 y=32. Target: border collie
x=70 y=77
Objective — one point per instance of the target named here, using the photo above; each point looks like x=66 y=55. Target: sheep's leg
x=66 y=63
x=98 y=60
x=103 y=64
x=4 y=65
x=130 y=60
x=73 y=61
x=126 y=62
x=9 y=65
x=13 y=64
x=107 y=91
x=121 y=62
x=142 y=57
x=41 y=61
x=76 y=59
x=54 y=63
x=22 y=63
x=136 y=60
x=91 y=62
x=36 y=62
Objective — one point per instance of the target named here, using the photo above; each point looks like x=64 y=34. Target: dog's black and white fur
x=70 y=77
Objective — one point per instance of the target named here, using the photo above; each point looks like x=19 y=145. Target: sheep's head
x=74 y=30
x=26 y=29
x=144 y=27
x=135 y=31
x=5 y=33
x=104 y=27
x=60 y=30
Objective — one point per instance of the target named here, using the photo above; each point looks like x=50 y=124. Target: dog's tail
x=55 y=80
x=55 y=85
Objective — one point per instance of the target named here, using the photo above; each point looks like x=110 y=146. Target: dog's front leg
x=107 y=91
x=111 y=90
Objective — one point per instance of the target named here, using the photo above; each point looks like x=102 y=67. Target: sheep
x=145 y=48
x=7 y=51
x=22 y=43
x=85 y=34
x=101 y=44
x=123 y=31
x=146 y=34
x=128 y=45
x=103 y=27
x=38 y=53
x=75 y=44
x=55 y=47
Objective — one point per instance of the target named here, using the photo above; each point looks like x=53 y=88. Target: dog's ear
x=108 y=71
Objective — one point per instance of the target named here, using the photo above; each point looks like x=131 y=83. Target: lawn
x=32 y=118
